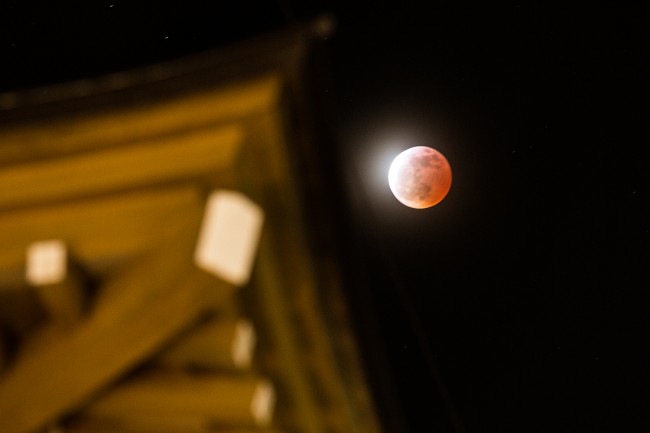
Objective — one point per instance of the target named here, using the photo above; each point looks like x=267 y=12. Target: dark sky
x=525 y=290
x=518 y=303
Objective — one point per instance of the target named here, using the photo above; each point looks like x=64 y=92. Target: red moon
x=420 y=177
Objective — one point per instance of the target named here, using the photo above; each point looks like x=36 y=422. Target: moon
x=420 y=177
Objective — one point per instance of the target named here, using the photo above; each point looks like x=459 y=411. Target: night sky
x=519 y=303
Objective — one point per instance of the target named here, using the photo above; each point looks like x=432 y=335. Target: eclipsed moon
x=420 y=177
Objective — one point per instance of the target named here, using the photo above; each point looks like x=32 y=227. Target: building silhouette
x=165 y=259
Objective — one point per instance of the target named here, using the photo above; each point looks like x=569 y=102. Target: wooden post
x=58 y=285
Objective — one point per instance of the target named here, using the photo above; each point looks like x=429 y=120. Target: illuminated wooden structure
x=106 y=320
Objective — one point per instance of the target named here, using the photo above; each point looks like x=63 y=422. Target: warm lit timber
x=59 y=286
x=47 y=262
x=283 y=335
x=160 y=159
x=216 y=344
x=190 y=425
x=102 y=232
x=136 y=312
x=64 y=301
x=88 y=132
x=287 y=299
x=170 y=399
x=229 y=235
x=296 y=290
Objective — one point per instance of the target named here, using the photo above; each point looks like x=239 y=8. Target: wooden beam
x=216 y=344
x=158 y=160
x=136 y=312
x=103 y=233
x=231 y=102
x=173 y=399
x=282 y=335
x=191 y=425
